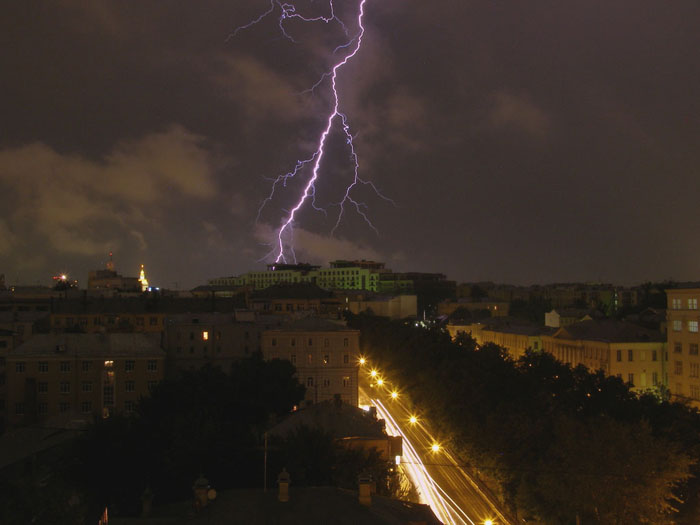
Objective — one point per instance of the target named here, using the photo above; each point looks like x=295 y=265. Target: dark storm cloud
x=521 y=141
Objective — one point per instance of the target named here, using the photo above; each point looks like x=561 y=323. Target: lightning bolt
x=335 y=119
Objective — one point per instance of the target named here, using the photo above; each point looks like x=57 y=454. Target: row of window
x=310 y=342
x=692 y=348
x=630 y=379
x=99 y=321
x=64 y=387
x=677 y=302
x=326 y=359
x=630 y=355
x=65 y=366
x=678 y=326
x=327 y=382
x=64 y=406
x=694 y=369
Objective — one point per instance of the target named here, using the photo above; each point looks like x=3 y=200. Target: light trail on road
x=430 y=492
x=453 y=494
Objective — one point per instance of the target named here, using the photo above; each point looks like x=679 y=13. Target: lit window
x=109 y=365
x=309 y=358
x=692 y=304
x=676 y=304
x=205 y=336
x=692 y=326
x=326 y=359
x=346 y=381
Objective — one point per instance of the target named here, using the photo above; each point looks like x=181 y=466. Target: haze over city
x=522 y=143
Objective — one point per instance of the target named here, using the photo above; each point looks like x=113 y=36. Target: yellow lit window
x=205 y=336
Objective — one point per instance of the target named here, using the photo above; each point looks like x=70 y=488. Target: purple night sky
x=520 y=141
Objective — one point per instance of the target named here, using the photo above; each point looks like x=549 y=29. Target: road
x=441 y=482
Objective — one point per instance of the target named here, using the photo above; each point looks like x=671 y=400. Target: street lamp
x=394 y=394
x=488 y=522
x=413 y=420
x=373 y=373
x=436 y=448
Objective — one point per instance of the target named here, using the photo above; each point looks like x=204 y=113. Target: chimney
x=146 y=502
x=365 y=482
x=201 y=492
x=283 y=480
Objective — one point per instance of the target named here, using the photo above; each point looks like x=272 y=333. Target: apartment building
x=71 y=378
x=633 y=353
x=683 y=317
x=324 y=353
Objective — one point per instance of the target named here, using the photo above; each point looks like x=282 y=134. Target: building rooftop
x=312 y=324
x=339 y=419
x=609 y=330
x=90 y=345
x=291 y=291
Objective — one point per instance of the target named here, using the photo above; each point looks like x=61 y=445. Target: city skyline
x=521 y=144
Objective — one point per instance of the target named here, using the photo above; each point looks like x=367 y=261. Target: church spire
x=143 y=280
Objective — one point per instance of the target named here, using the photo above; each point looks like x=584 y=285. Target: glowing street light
x=413 y=420
x=435 y=447
x=394 y=394
x=373 y=373
x=380 y=381
x=362 y=360
x=488 y=522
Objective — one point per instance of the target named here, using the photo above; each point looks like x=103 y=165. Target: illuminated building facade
x=683 y=336
x=324 y=353
x=194 y=340
x=71 y=378
x=630 y=352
